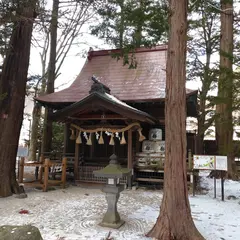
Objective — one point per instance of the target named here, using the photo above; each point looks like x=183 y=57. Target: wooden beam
x=89 y=127
x=98 y=117
x=162 y=120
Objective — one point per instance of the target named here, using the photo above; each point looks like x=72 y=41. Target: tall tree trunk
x=175 y=221
x=47 y=131
x=121 y=27
x=224 y=123
x=13 y=88
x=37 y=109
x=36 y=115
x=139 y=27
x=199 y=144
x=202 y=125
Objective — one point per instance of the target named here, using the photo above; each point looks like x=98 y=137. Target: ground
x=74 y=213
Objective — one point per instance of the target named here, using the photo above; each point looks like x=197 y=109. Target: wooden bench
x=43 y=177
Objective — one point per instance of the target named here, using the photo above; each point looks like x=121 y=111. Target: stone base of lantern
x=111 y=218
x=112 y=225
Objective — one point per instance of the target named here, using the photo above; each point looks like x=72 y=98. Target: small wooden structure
x=112 y=113
x=43 y=178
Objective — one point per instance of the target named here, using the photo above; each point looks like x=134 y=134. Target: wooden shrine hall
x=111 y=108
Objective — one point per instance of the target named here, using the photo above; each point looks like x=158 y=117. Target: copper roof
x=146 y=82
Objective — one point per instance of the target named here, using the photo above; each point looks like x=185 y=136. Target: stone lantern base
x=112 y=225
x=111 y=218
x=113 y=172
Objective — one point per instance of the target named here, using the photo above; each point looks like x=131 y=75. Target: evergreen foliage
x=128 y=24
x=203 y=46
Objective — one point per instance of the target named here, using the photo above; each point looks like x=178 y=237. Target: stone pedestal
x=113 y=172
x=111 y=218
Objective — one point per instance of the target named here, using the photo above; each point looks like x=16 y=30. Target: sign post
x=206 y=162
x=194 y=182
x=222 y=185
x=215 y=187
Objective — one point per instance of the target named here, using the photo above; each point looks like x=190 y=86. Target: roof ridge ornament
x=98 y=87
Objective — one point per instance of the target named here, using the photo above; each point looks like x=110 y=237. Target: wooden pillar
x=190 y=160
x=76 y=162
x=21 y=170
x=46 y=169
x=41 y=168
x=130 y=157
x=64 y=170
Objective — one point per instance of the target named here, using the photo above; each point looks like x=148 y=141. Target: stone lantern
x=113 y=172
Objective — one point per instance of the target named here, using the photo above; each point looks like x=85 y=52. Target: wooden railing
x=43 y=177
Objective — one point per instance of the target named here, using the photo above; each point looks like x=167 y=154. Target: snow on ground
x=74 y=213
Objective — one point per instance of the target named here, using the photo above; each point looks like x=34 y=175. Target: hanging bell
x=72 y=137
x=101 y=141
x=89 y=141
x=111 y=140
x=79 y=139
x=123 y=140
x=141 y=137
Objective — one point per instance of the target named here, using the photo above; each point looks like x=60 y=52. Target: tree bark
x=47 y=128
x=199 y=144
x=224 y=123
x=13 y=88
x=36 y=114
x=37 y=109
x=175 y=221
x=139 y=27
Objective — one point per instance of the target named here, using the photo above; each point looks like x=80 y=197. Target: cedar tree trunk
x=175 y=221
x=47 y=128
x=13 y=90
x=37 y=109
x=36 y=115
x=224 y=123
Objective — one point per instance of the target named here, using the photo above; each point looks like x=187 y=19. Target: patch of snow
x=230 y=187
x=147 y=212
x=74 y=213
x=114 y=99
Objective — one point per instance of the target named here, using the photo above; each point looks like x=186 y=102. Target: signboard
x=221 y=163
x=206 y=162
x=203 y=162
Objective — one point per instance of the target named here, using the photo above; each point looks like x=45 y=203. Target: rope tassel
x=123 y=140
x=79 y=139
x=89 y=141
x=112 y=141
x=101 y=141
x=72 y=137
x=141 y=137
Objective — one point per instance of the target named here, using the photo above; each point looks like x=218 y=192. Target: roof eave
x=102 y=101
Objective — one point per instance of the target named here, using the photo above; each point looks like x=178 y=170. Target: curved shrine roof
x=145 y=83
